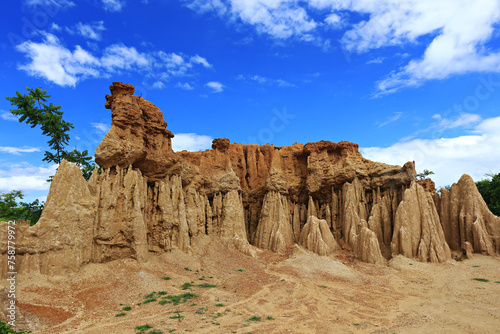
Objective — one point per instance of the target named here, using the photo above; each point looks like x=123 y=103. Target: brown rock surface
x=317 y=237
x=150 y=199
x=138 y=134
x=428 y=185
x=417 y=229
x=62 y=238
x=465 y=217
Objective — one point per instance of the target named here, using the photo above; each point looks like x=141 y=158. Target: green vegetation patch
x=176 y=299
x=188 y=285
x=149 y=300
x=6 y=329
x=122 y=314
x=481 y=279
x=254 y=318
x=143 y=327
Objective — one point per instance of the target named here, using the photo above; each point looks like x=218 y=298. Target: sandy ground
x=298 y=292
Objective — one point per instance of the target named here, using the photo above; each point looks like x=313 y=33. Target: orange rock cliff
x=150 y=199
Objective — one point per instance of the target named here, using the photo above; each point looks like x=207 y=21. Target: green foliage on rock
x=424 y=175
x=490 y=190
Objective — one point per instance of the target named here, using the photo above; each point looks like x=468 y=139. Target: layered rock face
x=149 y=199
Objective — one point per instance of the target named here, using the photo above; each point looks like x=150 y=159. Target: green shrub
x=5 y=328
x=143 y=327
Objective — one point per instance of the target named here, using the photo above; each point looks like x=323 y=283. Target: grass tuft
x=481 y=279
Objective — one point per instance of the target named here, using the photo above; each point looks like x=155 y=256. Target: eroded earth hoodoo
x=319 y=195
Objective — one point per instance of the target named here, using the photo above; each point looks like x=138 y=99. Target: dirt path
x=294 y=293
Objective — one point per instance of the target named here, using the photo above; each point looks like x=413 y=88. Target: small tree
x=10 y=209
x=490 y=190
x=33 y=110
x=424 y=175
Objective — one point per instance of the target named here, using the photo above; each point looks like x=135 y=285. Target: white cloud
x=378 y=60
x=449 y=158
x=26 y=177
x=88 y=30
x=266 y=81
x=216 y=87
x=55 y=27
x=457 y=32
x=191 y=142
x=200 y=60
x=158 y=85
x=463 y=120
x=102 y=127
x=117 y=57
x=113 y=5
x=393 y=118
x=18 y=150
x=185 y=86
x=7 y=116
x=335 y=21
x=280 y=19
x=59 y=3
x=51 y=60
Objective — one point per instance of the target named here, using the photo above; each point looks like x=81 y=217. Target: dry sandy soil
x=298 y=292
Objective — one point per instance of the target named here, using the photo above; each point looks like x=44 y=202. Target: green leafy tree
x=424 y=175
x=490 y=190
x=34 y=110
x=10 y=209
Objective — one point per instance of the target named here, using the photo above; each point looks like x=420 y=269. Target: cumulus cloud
x=185 y=86
x=216 y=87
x=86 y=30
x=200 y=60
x=475 y=154
x=456 y=32
x=191 y=142
x=18 y=150
x=53 y=61
x=25 y=177
x=281 y=19
x=113 y=5
x=7 y=116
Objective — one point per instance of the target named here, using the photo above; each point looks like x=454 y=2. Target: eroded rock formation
x=149 y=199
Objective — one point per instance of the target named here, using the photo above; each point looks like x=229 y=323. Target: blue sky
x=406 y=80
